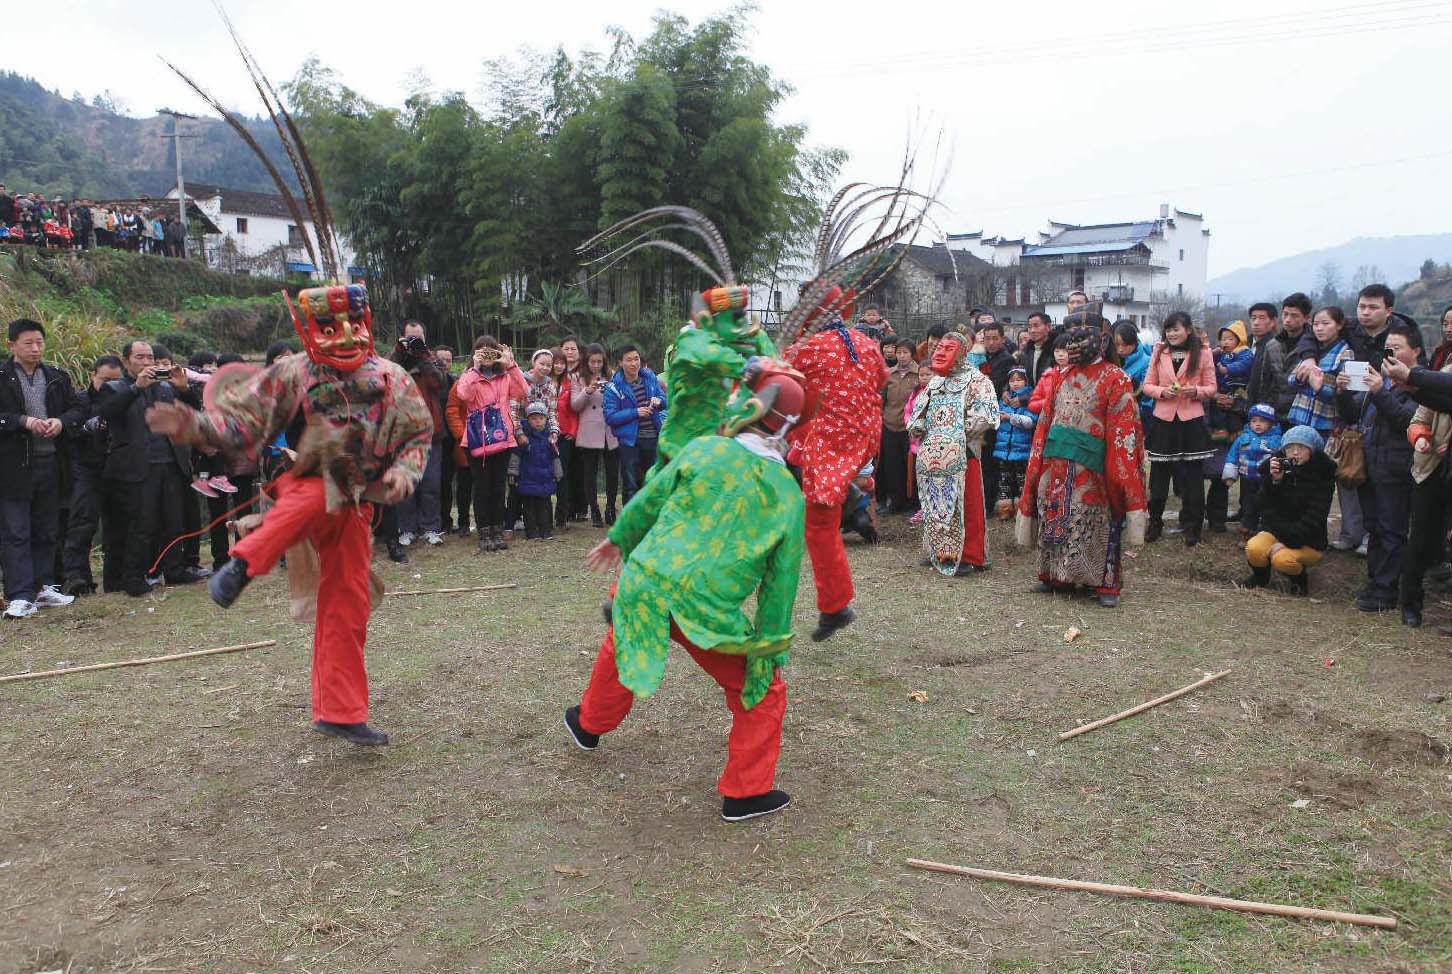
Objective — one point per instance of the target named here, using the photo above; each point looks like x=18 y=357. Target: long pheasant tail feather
x=691 y=222
x=292 y=205
x=293 y=145
x=667 y=245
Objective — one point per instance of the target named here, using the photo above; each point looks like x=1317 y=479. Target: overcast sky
x=1290 y=125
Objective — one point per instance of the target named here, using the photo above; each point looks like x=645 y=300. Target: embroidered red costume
x=1083 y=493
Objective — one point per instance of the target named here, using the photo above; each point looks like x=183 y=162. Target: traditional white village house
x=258 y=233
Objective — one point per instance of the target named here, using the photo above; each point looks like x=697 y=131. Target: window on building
x=294 y=236
x=776 y=300
x=1010 y=292
x=1078 y=277
x=1182 y=253
x=241 y=224
x=1023 y=293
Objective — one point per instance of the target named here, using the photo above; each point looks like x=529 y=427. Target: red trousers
x=340 y=682
x=755 y=742
x=830 y=570
x=974 y=520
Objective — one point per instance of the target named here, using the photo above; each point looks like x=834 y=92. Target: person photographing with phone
x=595 y=443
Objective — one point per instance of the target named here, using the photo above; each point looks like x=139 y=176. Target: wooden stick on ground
x=1168 y=896
x=43 y=674
x=1086 y=728
x=451 y=591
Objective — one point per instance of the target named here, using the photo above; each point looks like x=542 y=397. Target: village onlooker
x=1443 y=352
x=570 y=504
x=37 y=407
x=1036 y=353
x=1295 y=497
x=419 y=513
x=481 y=413
x=534 y=472
x=595 y=442
x=1016 y=424
x=1267 y=383
x=1181 y=379
x=1429 y=434
x=146 y=476
x=1295 y=320
x=1259 y=439
x=1134 y=359
x=1383 y=415
x=1313 y=380
x=635 y=408
x=1077 y=301
x=1226 y=416
x=892 y=469
x=87 y=443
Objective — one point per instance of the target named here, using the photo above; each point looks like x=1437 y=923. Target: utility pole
x=181 y=192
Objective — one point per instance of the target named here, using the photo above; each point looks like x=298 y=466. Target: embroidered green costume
x=676 y=568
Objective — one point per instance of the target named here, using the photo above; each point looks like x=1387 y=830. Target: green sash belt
x=1075 y=446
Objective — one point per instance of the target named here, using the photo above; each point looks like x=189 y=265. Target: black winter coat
x=1295 y=509
x=15 y=441
x=1432 y=389
x=123 y=406
x=1383 y=421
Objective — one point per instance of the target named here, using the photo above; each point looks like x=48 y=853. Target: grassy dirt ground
x=183 y=817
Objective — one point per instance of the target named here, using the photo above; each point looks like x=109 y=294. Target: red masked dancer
x=365 y=434
x=1083 y=493
x=845 y=373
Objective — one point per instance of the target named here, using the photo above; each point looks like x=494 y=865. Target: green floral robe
x=700 y=371
x=715 y=525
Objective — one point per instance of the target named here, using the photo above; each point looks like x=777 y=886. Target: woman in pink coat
x=484 y=423
x=1180 y=380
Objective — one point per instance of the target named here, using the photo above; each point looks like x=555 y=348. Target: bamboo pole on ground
x=451 y=591
x=93 y=667
x=1086 y=728
x=1167 y=896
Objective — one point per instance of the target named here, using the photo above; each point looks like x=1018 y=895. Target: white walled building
x=258 y=234
x=1123 y=266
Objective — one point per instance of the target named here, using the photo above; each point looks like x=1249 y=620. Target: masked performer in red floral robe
x=1083 y=496
x=845 y=373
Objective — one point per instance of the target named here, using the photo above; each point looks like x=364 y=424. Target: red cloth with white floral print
x=847 y=428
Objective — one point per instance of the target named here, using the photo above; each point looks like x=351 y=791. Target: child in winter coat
x=1260 y=438
x=533 y=470
x=1015 y=439
x=1296 y=483
x=1233 y=360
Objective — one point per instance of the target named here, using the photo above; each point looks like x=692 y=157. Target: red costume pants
x=974 y=526
x=755 y=742
x=830 y=571
x=340 y=682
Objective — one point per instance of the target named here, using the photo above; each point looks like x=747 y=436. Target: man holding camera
x=145 y=475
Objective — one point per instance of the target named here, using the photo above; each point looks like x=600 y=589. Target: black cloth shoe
x=137 y=589
x=1258 y=577
x=78 y=587
x=1412 y=616
x=1042 y=588
x=360 y=734
x=964 y=569
x=741 y=809
x=188 y=576
x=1192 y=536
x=830 y=622
x=396 y=553
x=583 y=739
x=1217 y=527
x=1300 y=584
x=1154 y=530
x=224 y=586
x=1370 y=603
x=1108 y=599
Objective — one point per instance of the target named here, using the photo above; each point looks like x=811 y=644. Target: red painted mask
x=946 y=356
x=336 y=326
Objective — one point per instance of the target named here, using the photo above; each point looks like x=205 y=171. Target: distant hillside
x=1396 y=259
x=58 y=145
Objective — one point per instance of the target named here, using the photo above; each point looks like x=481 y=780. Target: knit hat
x=540 y=409
x=1018 y=370
x=1305 y=436
x=1262 y=411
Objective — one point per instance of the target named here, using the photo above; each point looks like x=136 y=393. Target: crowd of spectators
x=1281 y=416
x=30 y=218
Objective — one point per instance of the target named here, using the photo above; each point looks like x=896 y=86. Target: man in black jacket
x=1383 y=415
x=86 y=439
x=997 y=365
x=145 y=475
x=36 y=405
x=1268 y=369
x=1036 y=355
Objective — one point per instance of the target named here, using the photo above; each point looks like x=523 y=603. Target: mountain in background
x=66 y=146
x=1391 y=260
